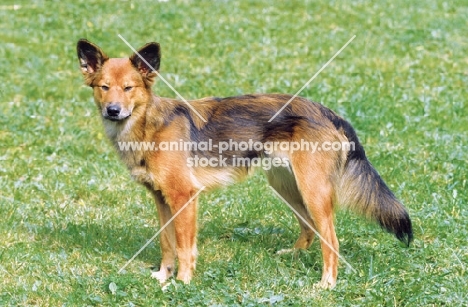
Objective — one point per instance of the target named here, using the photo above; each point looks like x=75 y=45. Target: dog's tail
x=360 y=188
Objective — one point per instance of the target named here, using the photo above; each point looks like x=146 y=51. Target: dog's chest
x=128 y=142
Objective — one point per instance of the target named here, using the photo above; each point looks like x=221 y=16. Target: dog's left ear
x=147 y=60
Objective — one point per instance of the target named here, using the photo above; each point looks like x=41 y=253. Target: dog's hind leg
x=167 y=239
x=283 y=181
x=314 y=181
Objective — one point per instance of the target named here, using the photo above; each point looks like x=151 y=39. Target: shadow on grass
x=224 y=243
x=102 y=239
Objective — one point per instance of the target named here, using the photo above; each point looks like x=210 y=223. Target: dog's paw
x=323 y=286
x=161 y=276
x=286 y=251
x=327 y=282
x=185 y=277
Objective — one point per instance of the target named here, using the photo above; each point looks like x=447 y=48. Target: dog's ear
x=91 y=59
x=147 y=60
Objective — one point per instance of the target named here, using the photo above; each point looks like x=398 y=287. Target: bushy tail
x=361 y=189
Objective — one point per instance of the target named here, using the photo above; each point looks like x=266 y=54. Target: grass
x=71 y=217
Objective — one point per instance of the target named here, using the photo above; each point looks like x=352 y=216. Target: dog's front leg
x=167 y=239
x=185 y=228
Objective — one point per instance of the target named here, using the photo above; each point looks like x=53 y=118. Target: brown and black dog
x=311 y=181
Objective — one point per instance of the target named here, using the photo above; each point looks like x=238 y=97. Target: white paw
x=160 y=275
x=285 y=251
x=184 y=277
x=324 y=285
x=327 y=282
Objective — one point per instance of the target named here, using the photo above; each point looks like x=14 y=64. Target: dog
x=312 y=182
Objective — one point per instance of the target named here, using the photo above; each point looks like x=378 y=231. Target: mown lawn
x=71 y=217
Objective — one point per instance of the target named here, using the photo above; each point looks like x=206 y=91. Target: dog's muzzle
x=114 y=112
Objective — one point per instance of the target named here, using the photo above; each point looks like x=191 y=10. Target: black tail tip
x=405 y=237
x=404 y=230
x=401 y=227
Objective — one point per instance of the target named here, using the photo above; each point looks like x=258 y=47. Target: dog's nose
x=113 y=110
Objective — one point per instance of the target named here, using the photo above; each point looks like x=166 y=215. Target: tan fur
x=312 y=182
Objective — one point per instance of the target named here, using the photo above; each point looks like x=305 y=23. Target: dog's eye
x=105 y=88
x=128 y=88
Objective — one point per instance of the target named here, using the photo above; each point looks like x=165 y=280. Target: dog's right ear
x=91 y=59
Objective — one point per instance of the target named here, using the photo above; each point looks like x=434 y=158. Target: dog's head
x=120 y=85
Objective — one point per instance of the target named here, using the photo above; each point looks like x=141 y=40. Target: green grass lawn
x=71 y=216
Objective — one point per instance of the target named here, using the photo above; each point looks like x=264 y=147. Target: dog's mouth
x=117 y=118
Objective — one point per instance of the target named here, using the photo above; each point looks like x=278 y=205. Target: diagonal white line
x=313 y=229
x=313 y=77
x=161 y=229
x=161 y=77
